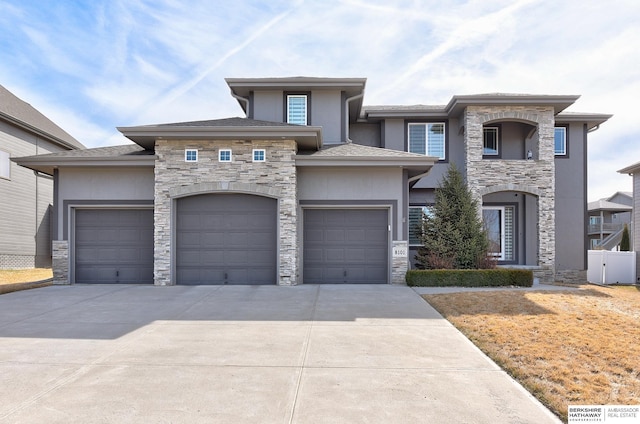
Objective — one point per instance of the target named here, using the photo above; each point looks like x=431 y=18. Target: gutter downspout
x=596 y=128
x=346 y=115
x=243 y=100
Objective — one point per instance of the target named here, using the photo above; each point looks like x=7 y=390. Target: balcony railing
x=606 y=228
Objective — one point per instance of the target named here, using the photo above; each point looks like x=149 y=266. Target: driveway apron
x=245 y=354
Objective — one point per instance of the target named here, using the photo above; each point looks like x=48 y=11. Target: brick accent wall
x=533 y=176
x=276 y=177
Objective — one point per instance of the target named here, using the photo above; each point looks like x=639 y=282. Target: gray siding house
x=313 y=187
x=26 y=196
x=634 y=172
x=607 y=218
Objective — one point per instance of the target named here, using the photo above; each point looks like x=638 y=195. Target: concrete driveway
x=245 y=354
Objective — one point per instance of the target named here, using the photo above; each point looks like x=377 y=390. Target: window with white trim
x=416 y=216
x=191 y=155
x=499 y=223
x=490 y=141
x=297 y=109
x=427 y=139
x=560 y=141
x=224 y=155
x=259 y=155
x=5 y=165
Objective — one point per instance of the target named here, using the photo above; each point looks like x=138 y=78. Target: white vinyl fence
x=607 y=267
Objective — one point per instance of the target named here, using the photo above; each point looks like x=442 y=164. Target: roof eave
x=307 y=137
x=44 y=134
x=559 y=102
x=631 y=169
x=592 y=120
x=48 y=165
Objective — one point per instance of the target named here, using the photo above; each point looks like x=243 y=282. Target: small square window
x=259 y=155
x=190 y=155
x=224 y=155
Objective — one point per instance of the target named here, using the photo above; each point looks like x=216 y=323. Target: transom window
x=191 y=155
x=490 y=141
x=427 y=139
x=499 y=224
x=560 y=143
x=224 y=155
x=297 y=109
x=416 y=215
x=5 y=165
x=259 y=155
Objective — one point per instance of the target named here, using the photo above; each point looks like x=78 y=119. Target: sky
x=94 y=65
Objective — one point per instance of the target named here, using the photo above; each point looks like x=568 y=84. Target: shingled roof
x=18 y=112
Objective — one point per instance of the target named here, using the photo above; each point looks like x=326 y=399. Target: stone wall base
x=400 y=262
x=544 y=275
x=60 y=261
x=573 y=276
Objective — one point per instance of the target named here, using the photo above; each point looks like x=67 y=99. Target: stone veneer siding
x=60 y=261
x=400 y=264
x=276 y=177
x=536 y=177
x=571 y=276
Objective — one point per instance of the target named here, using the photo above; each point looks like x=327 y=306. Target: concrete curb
x=8 y=288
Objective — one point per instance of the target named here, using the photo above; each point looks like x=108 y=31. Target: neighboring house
x=26 y=196
x=634 y=171
x=607 y=218
x=312 y=187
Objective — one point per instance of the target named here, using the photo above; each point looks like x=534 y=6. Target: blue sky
x=93 y=65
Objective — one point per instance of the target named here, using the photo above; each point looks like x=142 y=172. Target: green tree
x=453 y=235
x=625 y=243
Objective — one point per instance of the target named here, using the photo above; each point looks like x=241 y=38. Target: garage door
x=114 y=246
x=346 y=246
x=226 y=239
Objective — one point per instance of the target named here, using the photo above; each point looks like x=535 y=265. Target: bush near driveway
x=578 y=347
x=469 y=277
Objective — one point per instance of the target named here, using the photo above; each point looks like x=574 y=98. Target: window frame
x=225 y=160
x=514 y=230
x=297 y=94
x=186 y=155
x=5 y=157
x=264 y=155
x=498 y=153
x=425 y=210
x=427 y=124
x=565 y=154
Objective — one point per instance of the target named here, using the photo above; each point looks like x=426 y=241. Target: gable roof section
x=307 y=137
x=125 y=155
x=356 y=155
x=20 y=113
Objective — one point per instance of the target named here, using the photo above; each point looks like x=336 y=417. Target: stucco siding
x=571 y=203
x=326 y=112
x=365 y=134
x=268 y=106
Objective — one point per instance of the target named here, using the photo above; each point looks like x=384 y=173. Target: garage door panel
x=346 y=246
x=236 y=239
x=113 y=246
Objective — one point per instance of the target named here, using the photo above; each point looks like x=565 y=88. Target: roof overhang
x=559 y=102
x=307 y=137
x=30 y=128
x=47 y=165
x=416 y=167
x=400 y=112
x=593 y=120
x=631 y=169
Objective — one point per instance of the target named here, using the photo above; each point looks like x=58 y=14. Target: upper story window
x=427 y=139
x=297 y=109
x=190 y=155
x=224 y=155
x=560 y=143
x=5 y=165
x=259 y=155
x=490 y=141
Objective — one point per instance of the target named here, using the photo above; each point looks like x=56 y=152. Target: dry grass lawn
x=11 y=276
x=567 y=348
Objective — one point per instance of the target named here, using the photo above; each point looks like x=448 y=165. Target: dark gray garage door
x=114 y=246
x=226 y=239
x=346 y=246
